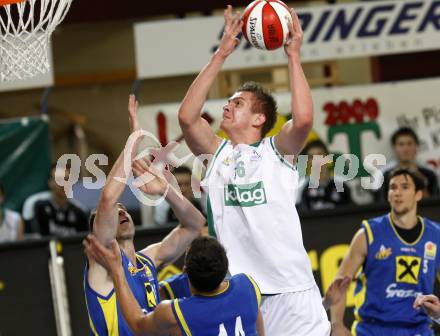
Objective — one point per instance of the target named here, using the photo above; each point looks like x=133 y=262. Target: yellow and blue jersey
x=176 y=286
x=105 y=316
x=394 y=273
x=234 y=309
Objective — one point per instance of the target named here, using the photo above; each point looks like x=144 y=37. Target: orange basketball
x=9 y=2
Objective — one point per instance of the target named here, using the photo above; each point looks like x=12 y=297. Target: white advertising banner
x=358 y=119
x=177 y=47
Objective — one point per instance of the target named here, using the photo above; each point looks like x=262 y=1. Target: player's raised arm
x=106 y=221
x=197 y=132
x=292 y=136
x=351 y=263
x=191 y=220
x=156 y=323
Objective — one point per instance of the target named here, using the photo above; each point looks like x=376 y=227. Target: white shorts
x=295 y=314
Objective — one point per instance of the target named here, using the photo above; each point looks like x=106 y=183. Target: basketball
x=265 y=24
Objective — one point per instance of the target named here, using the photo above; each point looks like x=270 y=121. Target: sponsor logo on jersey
x=132 y=269
x=227 y=161
x=383 y=253
x=245 y=195
x=408 y=249
x=430 y=250
x=393 y=292
x=407 y=269
x=255 y=156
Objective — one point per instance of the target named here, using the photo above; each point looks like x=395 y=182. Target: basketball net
x=25 y=29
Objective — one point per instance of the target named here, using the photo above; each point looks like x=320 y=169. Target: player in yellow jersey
x=112 y=221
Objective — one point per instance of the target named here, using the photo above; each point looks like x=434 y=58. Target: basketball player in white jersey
x=251 y=186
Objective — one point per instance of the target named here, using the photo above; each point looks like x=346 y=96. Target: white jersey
x=251 y=206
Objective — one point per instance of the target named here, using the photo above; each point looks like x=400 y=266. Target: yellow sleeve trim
x=92 y=326
x=181 y=318
x=144 y=259
x=168 y=289
x=369 y=232
x=257 y=289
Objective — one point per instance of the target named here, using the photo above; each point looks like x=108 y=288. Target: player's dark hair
x=206 y=264
x=265 y=103
x=182 y=170
x=404 y=131
x=315 y=144
x=418 y=179
x=2 y=189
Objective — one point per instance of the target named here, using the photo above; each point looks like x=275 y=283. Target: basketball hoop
x=25 y=28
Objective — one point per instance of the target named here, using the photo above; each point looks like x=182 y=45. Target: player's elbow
x=305 y=123
x=185 y=119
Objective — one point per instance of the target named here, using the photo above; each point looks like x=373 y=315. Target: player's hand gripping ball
x=265 y=24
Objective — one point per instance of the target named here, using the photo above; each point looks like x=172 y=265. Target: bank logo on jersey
x=407 y=269
x=245 y=195
x=151 y=297
x=430 y=250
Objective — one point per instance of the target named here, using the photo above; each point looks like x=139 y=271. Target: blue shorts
x=376 y=329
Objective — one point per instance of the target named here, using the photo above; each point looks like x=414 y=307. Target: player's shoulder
x=374 y=226
x=242 y=278
x=145 y=259
x=376 y=222
x=176 y=277
x=431 y=225
x=239 y=277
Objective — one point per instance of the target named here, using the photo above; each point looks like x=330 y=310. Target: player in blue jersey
x=178 y=287
x=175 y=287
x=399 y=259
x=112 y=221
x=217 y=307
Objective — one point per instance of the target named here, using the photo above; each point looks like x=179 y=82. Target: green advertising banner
x=25 y=157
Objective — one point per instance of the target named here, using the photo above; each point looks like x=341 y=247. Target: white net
x=25 y=30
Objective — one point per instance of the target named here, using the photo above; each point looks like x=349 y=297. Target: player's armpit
x=98 y=278
x=291 y=139
x=200 y=137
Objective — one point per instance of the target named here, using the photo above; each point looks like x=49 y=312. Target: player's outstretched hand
x=133 y=105
x=109 y=258
x=336 y=291
x=148 y=179
x=430 y=303
x=233 y=24
x=294 y=40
